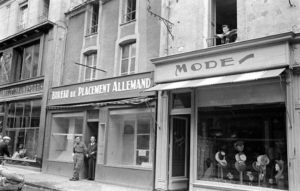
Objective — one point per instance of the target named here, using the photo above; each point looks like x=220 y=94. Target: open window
x=129 y=11
x=223 y=12
x=93 y=18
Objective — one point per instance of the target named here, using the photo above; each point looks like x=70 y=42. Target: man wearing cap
x=4 y=147
x=79 y=150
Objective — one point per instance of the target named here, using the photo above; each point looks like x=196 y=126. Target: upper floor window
x=23 y=16
x=130 y=11
x=223 y=22
x=94 y=17
x=5 y=68
x=30 y=61
x=26 y=61
x=128 y=65
x=90 y=71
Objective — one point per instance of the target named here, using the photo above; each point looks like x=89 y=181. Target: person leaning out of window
x=228 y=35
x=79 y=150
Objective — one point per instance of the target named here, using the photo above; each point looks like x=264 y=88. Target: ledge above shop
x=26 y=34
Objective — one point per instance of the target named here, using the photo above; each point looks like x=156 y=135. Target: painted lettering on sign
x=114 y=86
x=22 y=89
x=211 y=64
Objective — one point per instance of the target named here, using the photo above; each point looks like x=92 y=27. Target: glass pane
x=143 y=141
x=78 y=125
x=143 y=126
x=36 y=112
x=64 y=130
x=36 y=49
x=132 y=65
x=5 y=69
x=27 y=63
x=11 y=115
x=27 y=114
x=142 y=157
x=178 y=147
x=133 y=49
x=181 y=100
x=243 y=145
x=88 y=74
x=124 y=66
x=128 y=143
x=19 y=115
x=125 y=146
x=125 y=51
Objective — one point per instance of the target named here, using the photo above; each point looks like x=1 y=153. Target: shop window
x=26 y=61
x=65 y=127
x=129 y=10
x=90 y=71
x=128 y=63
x=244 y=145
x=23 y=16
x=223 y=22
x=130 y=138
x=23 y=121
x=94 y=17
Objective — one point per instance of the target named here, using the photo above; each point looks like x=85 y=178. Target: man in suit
x=4 y=148
x=79 y=149
x=92 y=155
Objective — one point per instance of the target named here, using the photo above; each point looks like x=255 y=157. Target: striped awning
x=218 y=80
x=132 y=101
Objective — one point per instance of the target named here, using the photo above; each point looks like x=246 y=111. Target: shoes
x=74 y=179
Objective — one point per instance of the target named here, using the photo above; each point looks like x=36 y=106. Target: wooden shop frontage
x=228 y=117
x=119 y=114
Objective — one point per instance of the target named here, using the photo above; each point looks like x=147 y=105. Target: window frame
x=129 y=11
x=23 y=18
x=93 y=19
x=133 y=115
x=129 y=58
x=93 y=56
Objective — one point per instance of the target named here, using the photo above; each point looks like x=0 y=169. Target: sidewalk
x=45 y=181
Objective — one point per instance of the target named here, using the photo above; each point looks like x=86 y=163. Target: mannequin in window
x=228 y=35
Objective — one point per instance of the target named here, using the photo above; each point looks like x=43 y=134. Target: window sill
x=130 y=167
x=20 y=82
x=63 y=161
x=230 y=187
x=127 y=22
x=91 y=34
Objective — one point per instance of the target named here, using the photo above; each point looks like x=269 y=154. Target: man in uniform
x=79 y=150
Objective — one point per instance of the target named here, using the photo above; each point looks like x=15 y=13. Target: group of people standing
x=80 y=151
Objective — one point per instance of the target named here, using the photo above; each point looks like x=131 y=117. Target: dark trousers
x=91 y=168
x=78 y=162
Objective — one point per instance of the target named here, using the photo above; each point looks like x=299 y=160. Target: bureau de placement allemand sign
x=110 y=87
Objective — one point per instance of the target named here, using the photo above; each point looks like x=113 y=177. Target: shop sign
x=222 y=64
x=108 y=89
x=21 y=89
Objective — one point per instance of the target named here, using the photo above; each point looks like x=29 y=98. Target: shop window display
x=65 y=127
x=243 y=145
x=23 y=122
x=130 y=138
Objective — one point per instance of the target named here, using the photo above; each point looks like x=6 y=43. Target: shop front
x=226 y=118
x=119 y=114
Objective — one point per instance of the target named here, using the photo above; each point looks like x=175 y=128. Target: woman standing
x=91 y=155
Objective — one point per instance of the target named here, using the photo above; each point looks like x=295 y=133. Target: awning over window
x=218 y=80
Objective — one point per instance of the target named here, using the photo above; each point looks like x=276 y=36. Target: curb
x=40 y=186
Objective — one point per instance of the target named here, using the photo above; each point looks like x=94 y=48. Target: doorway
x=91 y=130
x=179 y=152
